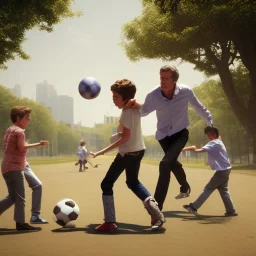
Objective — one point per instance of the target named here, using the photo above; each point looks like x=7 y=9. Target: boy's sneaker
x=26 y=226
x=183 y=195
x=106 y=226
x=190 y=208
x=35 y=219
x=157 y=224
x=152 y=207
x=230 y=214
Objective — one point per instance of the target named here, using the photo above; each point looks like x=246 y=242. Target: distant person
x=218 y=161
x=170 y=101
x=13 y=165
x=131 y=150
x=82 y=153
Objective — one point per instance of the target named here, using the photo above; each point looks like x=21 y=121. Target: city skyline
x=61 y=106
x=87 y=46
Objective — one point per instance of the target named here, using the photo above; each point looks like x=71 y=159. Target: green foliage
x=42 y=126
x=67 y=139
x=17 y=17
x=213 y=35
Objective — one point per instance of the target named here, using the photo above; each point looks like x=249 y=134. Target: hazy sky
x=89 y=46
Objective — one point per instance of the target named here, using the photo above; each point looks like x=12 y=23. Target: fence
x=240 y=146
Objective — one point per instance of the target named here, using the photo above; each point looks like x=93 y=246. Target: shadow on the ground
x=123 y=229
x=202 y=219
x=12 y=231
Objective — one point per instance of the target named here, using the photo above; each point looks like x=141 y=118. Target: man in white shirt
x=218 y=161
x=170 y=101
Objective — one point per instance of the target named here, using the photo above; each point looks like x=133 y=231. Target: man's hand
x=132 y=104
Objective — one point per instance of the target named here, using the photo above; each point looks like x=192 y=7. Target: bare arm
x=124 y=138
x=189 y=148
x=41 y=143
x=201 y=109
x=197 y=150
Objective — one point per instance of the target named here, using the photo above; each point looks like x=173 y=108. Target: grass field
x=243 y=169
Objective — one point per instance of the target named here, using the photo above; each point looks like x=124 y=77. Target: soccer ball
x=89 y=88
x=65 y=211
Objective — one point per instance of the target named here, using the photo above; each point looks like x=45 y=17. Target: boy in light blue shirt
x=218 y=161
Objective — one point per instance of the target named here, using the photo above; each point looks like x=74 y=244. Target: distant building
x=66 y=109
x=46 y=95
x=16 y=91
x=111 y=120
x=78 y=125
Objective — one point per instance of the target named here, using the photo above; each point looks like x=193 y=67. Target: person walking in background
x=218 y=161
x=82 y=153
x=170 y=101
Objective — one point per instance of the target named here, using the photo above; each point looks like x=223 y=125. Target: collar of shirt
x=19 y=127
x=176 y=91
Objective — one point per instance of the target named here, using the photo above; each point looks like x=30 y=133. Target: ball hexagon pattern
x=89 y=88
x=66 y=210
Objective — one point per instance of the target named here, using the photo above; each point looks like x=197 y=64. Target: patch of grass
x=236 y=168
x=56 y=159
x=251 y=167
x=51 y=160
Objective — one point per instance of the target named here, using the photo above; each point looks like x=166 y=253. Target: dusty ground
x=212 y=234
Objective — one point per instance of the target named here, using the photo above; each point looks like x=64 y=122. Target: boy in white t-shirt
x=219 y=161
x=131 y=151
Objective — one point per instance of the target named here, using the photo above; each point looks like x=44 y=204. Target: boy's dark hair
x=173 y=70
x=125 y=88
x=19 y=112
x=212 y=130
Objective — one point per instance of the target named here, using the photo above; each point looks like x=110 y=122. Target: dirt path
x=210 y=235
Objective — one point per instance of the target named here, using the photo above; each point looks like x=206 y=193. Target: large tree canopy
x=213 y=35
x=18 y=16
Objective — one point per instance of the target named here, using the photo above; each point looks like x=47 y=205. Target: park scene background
x=213 y=45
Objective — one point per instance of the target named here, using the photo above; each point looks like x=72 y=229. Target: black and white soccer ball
x=66 y=210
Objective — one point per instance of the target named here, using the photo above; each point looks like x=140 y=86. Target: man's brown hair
x=19 y=112
x=125 y=88
x=173 y=70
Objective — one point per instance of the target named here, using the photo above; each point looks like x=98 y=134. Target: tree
x=213 y=35
x=18 y=16
x=42 y=126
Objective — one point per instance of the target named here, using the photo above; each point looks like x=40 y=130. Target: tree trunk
x=246 y=115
